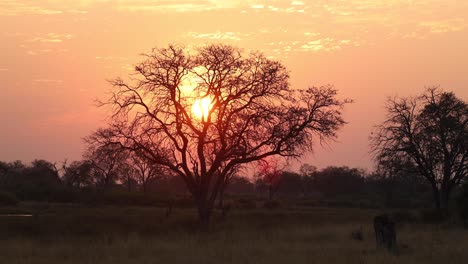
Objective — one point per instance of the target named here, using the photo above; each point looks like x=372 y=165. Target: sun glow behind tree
x=201 y=108
x=203 y=115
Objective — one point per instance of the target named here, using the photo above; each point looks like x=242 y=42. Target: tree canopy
x=203 y=113
x=431 y=132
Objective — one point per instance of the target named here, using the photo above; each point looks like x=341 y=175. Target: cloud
x=51 y=38
x=297 y=3
x=442 y=26
x=217 y=35
x=52 y=7
x=41 y=43
x=3 y=69
x=76 y=11
x=284 y=48
x=316 y=25
x=175 y=6
x=45 y=80
x=14 y=8
x=257 y=6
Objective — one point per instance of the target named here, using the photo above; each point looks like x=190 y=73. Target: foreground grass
x=144 y=235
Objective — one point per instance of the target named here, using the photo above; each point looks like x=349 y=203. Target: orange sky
x=56 y=56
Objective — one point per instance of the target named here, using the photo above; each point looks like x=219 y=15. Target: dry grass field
x=121 y=235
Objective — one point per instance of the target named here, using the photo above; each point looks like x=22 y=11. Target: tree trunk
x=221 y=196
x=129 y=184
x=204 y=214
x=444 y=200
x=436 y=196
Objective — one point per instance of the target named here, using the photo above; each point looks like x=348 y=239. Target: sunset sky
x=56 y=57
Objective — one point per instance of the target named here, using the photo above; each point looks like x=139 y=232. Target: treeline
x=89 y=181
x=80 y=181
x=344 y=186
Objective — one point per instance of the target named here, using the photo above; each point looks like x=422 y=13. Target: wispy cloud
x=217 y=35
x=257 y=6
x=327 y=44
x=45 y=80
x=175 y=6
x=14 y=8
x=316 y=45
x=45 y=51
x=51 y=38
x=442 y=26
x=76 y=11
x=41 y=43
x=319 y=25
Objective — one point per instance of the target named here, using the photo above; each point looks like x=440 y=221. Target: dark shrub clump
x=8 y=199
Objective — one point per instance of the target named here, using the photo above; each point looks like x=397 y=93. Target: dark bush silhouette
x=8 y=199
x=357 y=234
x=271 y=204
x=339 y=181
x=40 y=181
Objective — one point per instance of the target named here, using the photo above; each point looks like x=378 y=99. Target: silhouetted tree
x=308 y=173
x=224 y=185
x=250 y=113
x=430 y=131
x=240 y=185
x=335 y=181
x=109 y=163
x=396 y=178
x=38 y=181
x=168 y=184
x=3 y=168
x=269 y=173
x=79 y=174
x=143 y=171
x=307 y=169
x=11 y=175
x=292 y=184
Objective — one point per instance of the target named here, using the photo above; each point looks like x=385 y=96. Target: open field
x=117 y=235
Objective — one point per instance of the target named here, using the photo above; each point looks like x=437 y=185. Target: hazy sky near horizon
x=56 y=56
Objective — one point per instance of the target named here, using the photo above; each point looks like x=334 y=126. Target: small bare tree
x=78 y=174
x=108 y=162
x=270 y=173
x=144 y=171
x=431 y=131
x=203 y=113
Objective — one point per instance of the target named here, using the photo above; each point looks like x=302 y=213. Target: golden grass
x=251 y=236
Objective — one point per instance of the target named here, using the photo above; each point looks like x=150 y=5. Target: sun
x=201 y=107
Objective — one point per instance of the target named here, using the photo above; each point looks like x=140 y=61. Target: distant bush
x=403 y=216
x=309 y=202
x=271 y=204
x=125 y=198
x=182 y=202
x=340 y=203
x=432 y=216
x=8 y=199
x=117 y=197
x=463 y=204
x=245 y=203
x=368 y=203
x=357 y=234
x=65 y=195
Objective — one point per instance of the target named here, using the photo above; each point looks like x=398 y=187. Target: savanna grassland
x=79 y=234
